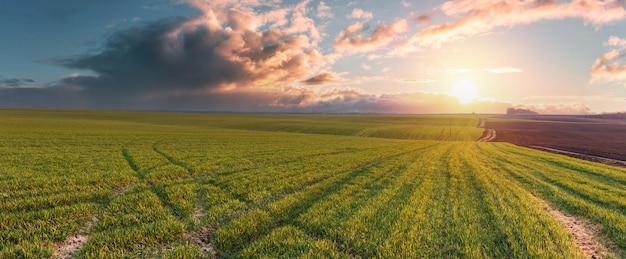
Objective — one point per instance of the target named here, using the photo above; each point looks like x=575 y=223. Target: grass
x=168 y=185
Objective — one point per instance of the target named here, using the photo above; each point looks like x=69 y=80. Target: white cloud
x=358 y=13
x=500 y=70
x=417 y=81
x=323 y=10
x=615 y=42
x=374 y=56
x=457 y=70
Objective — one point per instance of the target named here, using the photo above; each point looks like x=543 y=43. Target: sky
x=331 y=56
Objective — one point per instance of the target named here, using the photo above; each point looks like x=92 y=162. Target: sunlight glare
x=465 y=91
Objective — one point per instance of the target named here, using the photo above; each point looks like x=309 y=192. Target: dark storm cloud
x=214 y=62
x=15 y=82
x=193 y=62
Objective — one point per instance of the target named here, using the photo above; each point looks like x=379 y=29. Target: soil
x=200 y=237
x=593 y=138
x=74 y=243
x=578 y=134
x=585 y=233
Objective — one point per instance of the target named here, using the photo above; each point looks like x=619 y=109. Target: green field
x=175 y=185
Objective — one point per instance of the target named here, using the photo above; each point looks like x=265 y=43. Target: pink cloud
x=360 y=14
x=323 y=10
x=563 y=108
x=348 y=40
x=607 y=69
x=615 y=42
x=475 y=17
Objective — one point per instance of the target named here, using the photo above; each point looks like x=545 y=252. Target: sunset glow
x=465 y=91
x=315 y=56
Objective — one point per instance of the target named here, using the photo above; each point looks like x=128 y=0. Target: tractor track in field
x=586 y=233
x=201 y=236
x=489 y=134
x=74 y=243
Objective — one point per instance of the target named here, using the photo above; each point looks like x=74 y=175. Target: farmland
x=580 y=134
x=93 y=184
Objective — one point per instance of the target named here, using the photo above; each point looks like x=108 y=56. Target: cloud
x=350 y=41
x=473 y=17
x=422 y=19
x=563 y=109
x=405 y=3
x=615 y=42
x=323 y=10
x=457 y=70
x=326 y=78
x=607 y=68
x=7 y=83
x=360 y=14
x=374 y=56
x=366 y=67
x=194 y=63
x=418 y=81
x=500 y=70
x=265 y=56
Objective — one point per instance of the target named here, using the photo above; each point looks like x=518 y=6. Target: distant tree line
x=520 y=111
x=615 y=116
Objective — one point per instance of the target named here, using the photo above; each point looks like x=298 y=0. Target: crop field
x=105 y=184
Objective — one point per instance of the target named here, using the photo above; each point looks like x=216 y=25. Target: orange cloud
x=326 y=78
x=605 y=70
x=475 y=17
x=348 y=40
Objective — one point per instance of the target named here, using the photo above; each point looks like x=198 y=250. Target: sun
x=465 y=91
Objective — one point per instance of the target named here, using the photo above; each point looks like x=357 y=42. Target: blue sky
x=315 y=56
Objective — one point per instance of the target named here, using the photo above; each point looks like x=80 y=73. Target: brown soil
x=578 y=134
x=590 y=138
x=200 y=237
x=74 y=243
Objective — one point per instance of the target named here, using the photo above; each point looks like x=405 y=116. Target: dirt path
x=488 y=134
x=587 y=157
x=75 y=242
x=585 y=233
x=481 y=123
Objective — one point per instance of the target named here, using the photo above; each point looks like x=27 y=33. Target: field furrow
x=87 y=184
